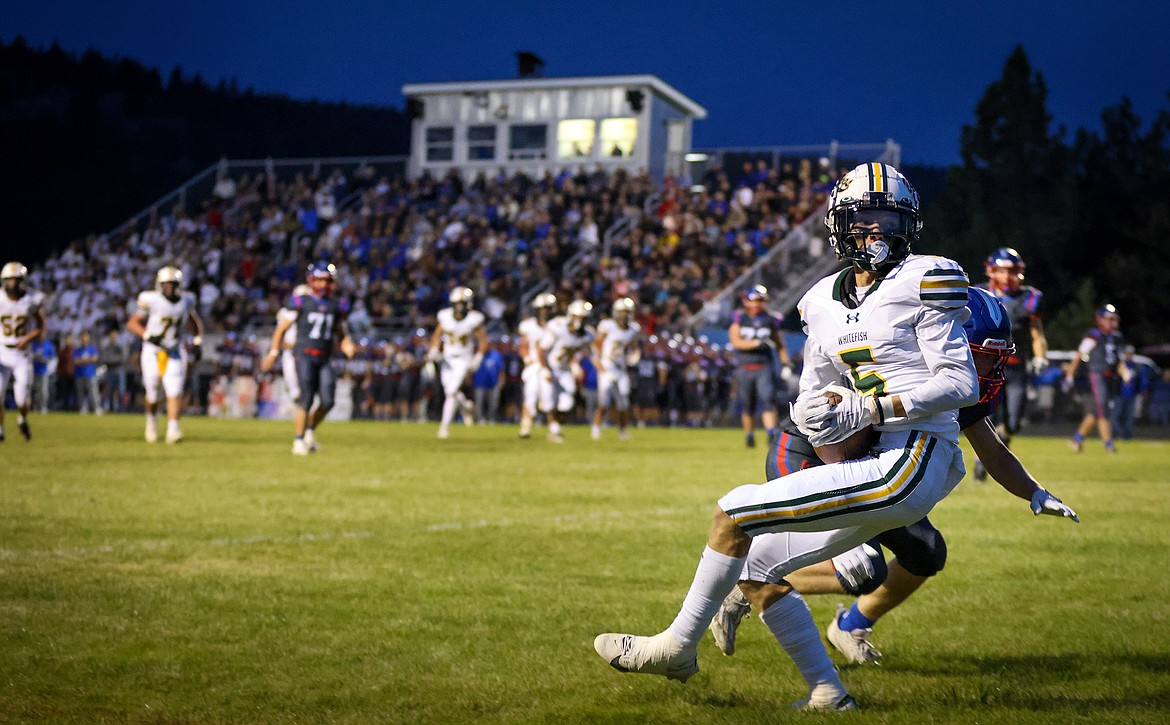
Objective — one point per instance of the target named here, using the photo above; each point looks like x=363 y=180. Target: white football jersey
x=905 y=338
x=17 y=316
x=531 y=332
x=616 y=342
x=459 y=335
x=562 y=344
x=165 y=318
x=290 y=335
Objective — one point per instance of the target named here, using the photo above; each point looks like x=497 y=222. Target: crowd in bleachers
x=399 y=247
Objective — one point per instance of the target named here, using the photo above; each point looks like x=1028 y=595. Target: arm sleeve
x=944 y=348
x=1086 y=347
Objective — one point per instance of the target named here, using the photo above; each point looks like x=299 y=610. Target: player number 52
x=14 y=325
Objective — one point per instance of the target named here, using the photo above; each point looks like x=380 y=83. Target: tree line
x=90 y=140
x=1087 y=210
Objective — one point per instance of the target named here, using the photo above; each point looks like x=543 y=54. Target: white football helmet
x=545 y=305
x=13 y=271
x=868 y=188
x=168 y=274
x=623 y=310
x=577 y=313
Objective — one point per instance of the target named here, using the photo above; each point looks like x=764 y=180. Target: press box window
x=527 y=142
x=481 y=143
x=618 y=136
x=575 y=138
x=440 y=143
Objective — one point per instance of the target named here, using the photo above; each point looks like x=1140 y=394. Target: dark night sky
x=767 y=72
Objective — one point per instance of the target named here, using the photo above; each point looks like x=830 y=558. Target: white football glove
x=1039 y=365
x=475 y=362
x=842 y=420
x=855 y=567
x=1045 y=503
x=808 y=405
x=433 y=355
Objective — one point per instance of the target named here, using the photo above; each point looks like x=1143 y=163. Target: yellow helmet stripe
x=877 y=177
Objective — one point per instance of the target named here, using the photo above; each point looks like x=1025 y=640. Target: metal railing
x=200 y=186
x=791 y=267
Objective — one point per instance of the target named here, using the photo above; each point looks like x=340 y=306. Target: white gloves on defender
x=825 y=423
x=855 y=567
x=1045 y=503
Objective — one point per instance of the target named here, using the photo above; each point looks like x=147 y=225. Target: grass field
x=397 y=578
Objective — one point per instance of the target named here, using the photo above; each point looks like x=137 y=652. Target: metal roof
x=659 y=86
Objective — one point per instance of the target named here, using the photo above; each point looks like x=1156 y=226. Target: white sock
x=449 y=406
x=172 y=425
x=792 y=625
x=715 y=577
x=554 y=427
x=150 y=420
x=19 y=418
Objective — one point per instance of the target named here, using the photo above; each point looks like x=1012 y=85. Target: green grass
x=397 y=578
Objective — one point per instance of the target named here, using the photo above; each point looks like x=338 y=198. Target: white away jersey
x=531 y=332
x=17 y=316
x=163 y=317
x=616 y=342
x=905 y=338
x=459 y=335
x=561 y=344
x=290 y=335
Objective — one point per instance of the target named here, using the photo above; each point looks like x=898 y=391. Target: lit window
x=575 y=138
x=440 y=143
x=481 y=143
x=618 y=136
x=527 y=141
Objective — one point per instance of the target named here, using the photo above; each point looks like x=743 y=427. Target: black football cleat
x=24 y=431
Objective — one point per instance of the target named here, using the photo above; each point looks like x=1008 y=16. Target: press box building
x=536 y=125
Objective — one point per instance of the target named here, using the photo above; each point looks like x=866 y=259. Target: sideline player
x=320 y=319
x=618 y=346
x=755 y=335
x=1101 y=352
x=161 y=314
x=893 y=323
x=458 y=344
x=565 y=339
x=1023 y=303
x=22 y=323
x=288 y=343
x=531 y=332
x=919 y=548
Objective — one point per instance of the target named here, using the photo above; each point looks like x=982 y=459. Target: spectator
x=1132 y=388
x=488 y=382
x=44 y=371
x=85 y=357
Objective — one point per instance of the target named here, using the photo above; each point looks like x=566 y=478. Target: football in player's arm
x=892 y=323
x=920 y=548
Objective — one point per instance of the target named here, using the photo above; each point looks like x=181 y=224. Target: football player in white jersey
x=565 y=339
x=536 y=387
x=162 y=313
x=22 y=323
x=458 y=345
x=892 y=323
x=288 y=359
x=619 y=347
